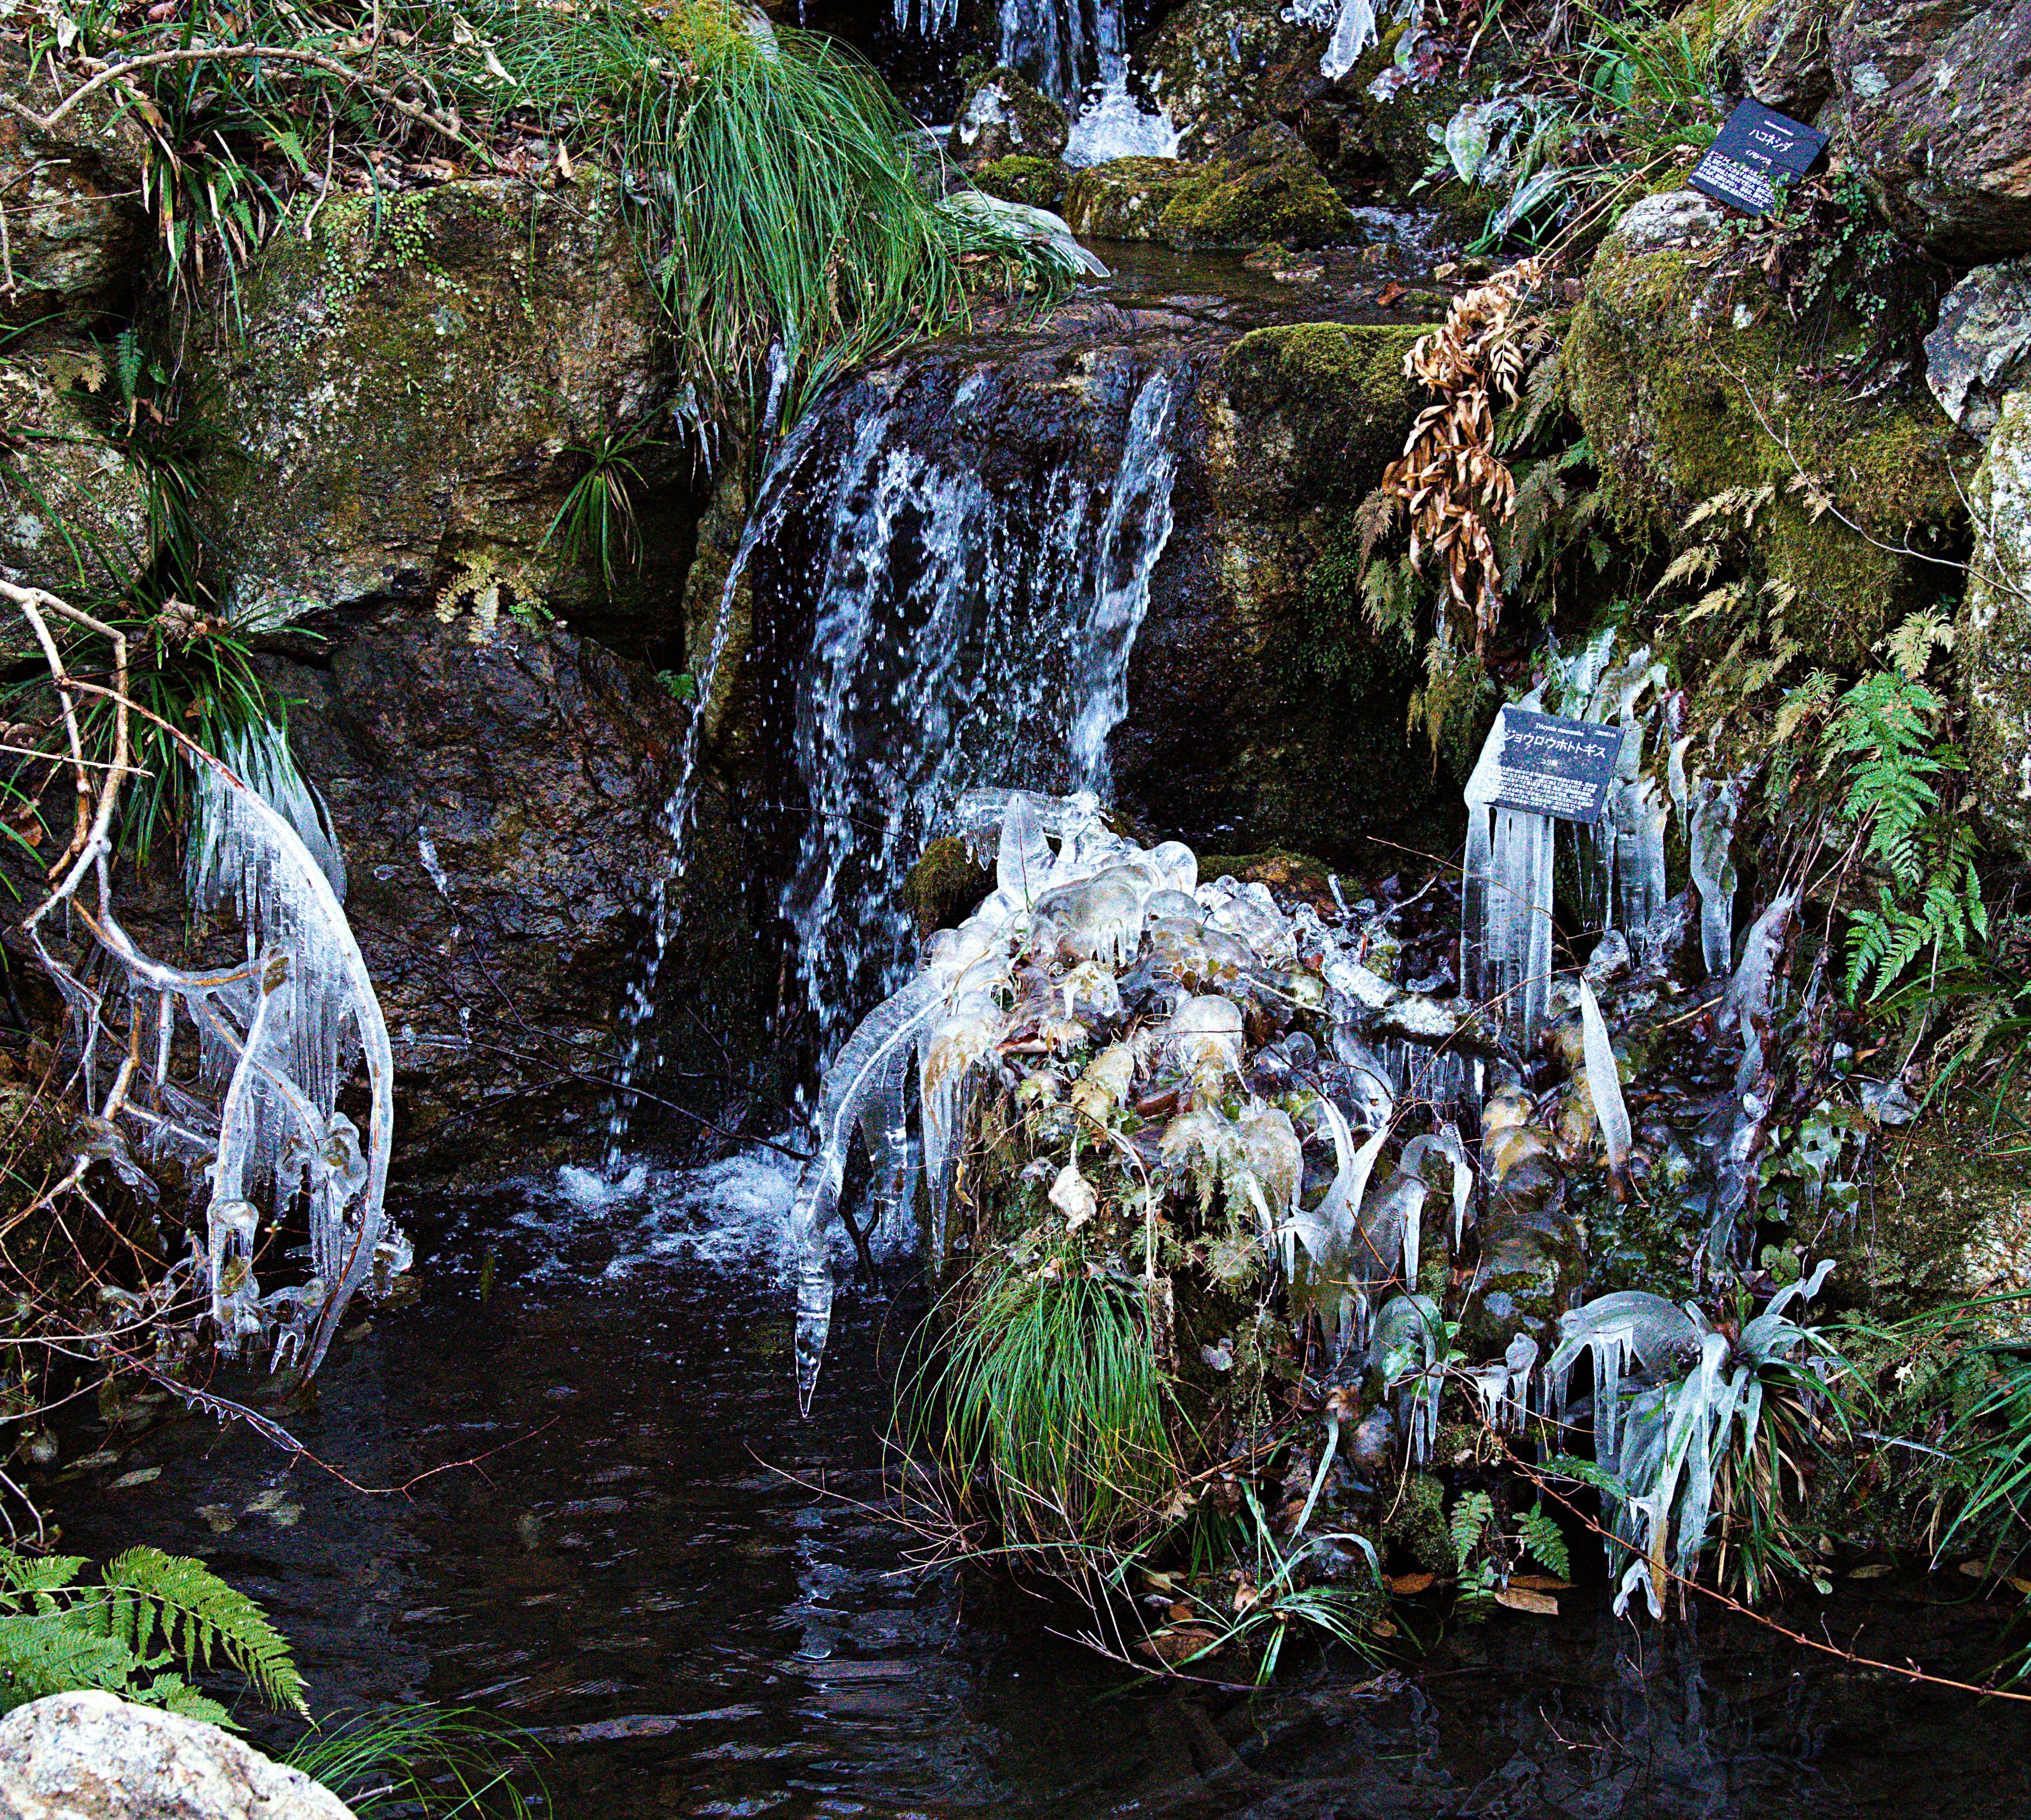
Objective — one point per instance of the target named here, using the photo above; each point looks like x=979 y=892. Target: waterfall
x=1076 y=51
x=964 y=632
x=638 y=1008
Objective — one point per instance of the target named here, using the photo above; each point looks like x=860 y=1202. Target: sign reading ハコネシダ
x=1753 y=149
x=1553 y=766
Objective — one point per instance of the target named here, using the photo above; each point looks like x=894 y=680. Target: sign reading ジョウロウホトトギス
x=1754 y=151
x=1556 y=767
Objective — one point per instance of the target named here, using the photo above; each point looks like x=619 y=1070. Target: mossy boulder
x=1007 y=116
x=945 y=885
x=1995 y=643
x=1692 y=381
x=74 y=513
x=1777 y=52
x=1039 y=181
x=1125 y=198
x=406 y=398
x=1266 y=186
x=1211 y=63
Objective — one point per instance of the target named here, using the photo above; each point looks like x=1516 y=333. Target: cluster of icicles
x=1070 y=928
x=278 y=1035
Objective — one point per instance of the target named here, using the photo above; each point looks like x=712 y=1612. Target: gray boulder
x=1935 y=106
x=1995 y=644
x=94 y=1756
x=1981 y=350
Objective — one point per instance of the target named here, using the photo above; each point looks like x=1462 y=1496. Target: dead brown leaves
x=1449 y=477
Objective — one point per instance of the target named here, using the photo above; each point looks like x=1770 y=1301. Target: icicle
x=864 y=1069
x=1354 y=31
x=308 y=1008
x=1714 y=806
x=1605 y=1083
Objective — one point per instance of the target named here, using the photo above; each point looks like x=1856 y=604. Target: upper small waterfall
x=968 y=627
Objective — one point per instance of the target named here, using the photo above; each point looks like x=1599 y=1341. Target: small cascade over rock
x=969 y=625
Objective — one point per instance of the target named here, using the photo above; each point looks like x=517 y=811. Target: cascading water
x=638 y=1010
x=964 y=632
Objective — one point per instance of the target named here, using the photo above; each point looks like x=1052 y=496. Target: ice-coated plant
x=1694 y=1431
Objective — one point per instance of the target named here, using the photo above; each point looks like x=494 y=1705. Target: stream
x=697 y=1602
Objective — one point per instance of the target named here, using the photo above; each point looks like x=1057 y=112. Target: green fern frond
x=1545 y=1542
x=199 y=1616
x=1470 y=1516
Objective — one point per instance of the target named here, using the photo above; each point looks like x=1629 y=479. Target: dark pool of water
x=643 y=1570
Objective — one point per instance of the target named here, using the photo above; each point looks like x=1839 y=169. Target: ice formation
x=1079 y=917
x=278 y=1036
x=1665 y=1447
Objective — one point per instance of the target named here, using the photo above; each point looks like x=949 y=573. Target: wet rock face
x=499 y=803
x=1005 y=116
x=1211 y=62
x=1690 y=380
x=1262 y=709
x=73 y=510
x=1935 y=106
x=92 y=1756
x=1981 y=350
x=406 y=406
x=77 y=235
x=1995 y=646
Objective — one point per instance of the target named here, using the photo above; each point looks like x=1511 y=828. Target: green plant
x=1053 y=1397
x=1883 y=752
x=596 y=523
x=1270 y=1598
x=441 y=1762
x=150 y=1614
x=1545 y=1542
x=784 y=226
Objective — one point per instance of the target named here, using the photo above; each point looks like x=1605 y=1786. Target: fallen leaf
x=1974 y=1569
x=1405 y=1585
x=1389 y=293
x=139 y=1478
x=1179 y=1611
x=1172 y=1646
x=2021 y=1584
x=1522 y=1598
x=220 y=1517
x=1073 y=1196
x=1382 y=1628
x=1875 y=1570
x=1540 y=1583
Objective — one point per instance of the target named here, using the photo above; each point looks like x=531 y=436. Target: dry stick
x=1909 y=1671
x=280 y=54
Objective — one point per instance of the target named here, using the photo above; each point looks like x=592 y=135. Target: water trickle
x=1071 y=49
x=963 y=634
x=638 y=1010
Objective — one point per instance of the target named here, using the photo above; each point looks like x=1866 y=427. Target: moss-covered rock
x=1417 y=1524
x=1777 y=51
x=1125 y=198
x=1691 y=381
x=1007 y=116
x=1995 y=643
x=74 y=511
x=77 y=235
x=1038 y=181
x=408 y=396
x=945 y=885
x=1266 y=186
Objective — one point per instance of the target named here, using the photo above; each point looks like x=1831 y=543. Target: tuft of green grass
x=1055 y=1403
x=443 y=1762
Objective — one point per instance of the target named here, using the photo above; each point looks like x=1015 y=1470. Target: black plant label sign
x=1553 y=766
x=1754 y=153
